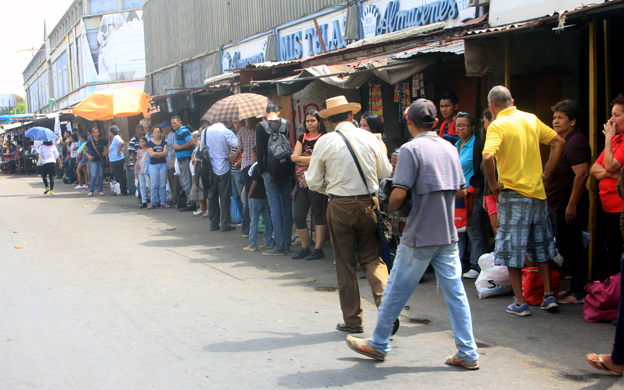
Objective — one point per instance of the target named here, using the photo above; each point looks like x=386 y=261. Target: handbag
x=603 y=299
x=300 y=172
x=384 y=229
x=40 y=158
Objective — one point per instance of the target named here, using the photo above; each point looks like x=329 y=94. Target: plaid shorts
x=523 y=229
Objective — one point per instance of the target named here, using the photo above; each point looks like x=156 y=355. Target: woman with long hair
x=50 y=155
x=304 y=198
x=372 y=123
x=158 y=167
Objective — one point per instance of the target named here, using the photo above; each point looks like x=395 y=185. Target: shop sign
x=302 y=39
x=245 y=53
x=385 y=16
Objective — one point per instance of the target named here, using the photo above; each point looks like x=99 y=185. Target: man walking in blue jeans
x=430 y=167
x=278 y=191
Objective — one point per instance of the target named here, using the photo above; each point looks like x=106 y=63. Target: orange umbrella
x=113 y=102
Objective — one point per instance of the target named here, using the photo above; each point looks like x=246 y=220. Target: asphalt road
x=104 y=295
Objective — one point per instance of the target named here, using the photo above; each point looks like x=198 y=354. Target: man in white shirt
x=350 y=215
x=220 y=141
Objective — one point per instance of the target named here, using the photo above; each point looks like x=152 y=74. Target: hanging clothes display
x=375 y=103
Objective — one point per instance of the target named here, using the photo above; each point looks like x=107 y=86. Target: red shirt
x=611 y=201
x=451 y=128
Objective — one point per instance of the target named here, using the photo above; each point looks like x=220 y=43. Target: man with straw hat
x=350 y=216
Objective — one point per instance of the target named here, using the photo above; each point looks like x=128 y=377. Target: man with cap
x=351 y=218
x=430 y=167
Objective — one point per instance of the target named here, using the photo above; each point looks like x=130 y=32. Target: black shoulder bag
x=384 y=229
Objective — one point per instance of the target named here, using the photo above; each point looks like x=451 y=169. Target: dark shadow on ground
x=279 y=341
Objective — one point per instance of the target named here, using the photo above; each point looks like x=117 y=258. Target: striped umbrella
x=237 y=107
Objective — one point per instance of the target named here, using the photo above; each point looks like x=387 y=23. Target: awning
x=18 y=117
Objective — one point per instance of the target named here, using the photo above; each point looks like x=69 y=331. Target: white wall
x=512 y=11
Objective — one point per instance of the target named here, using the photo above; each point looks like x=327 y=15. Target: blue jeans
x=409 y=266
x=144 y=181
x=475 y=234
x=280 y=201
x=97 y=172
x=158 y=176
x=260 y=207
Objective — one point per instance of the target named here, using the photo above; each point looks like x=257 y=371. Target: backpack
x=203 y=168
x=278 y=152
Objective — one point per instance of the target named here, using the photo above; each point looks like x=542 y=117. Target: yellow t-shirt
x=514 y=138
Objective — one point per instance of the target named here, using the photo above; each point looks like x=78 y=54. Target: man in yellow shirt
x=523 y=224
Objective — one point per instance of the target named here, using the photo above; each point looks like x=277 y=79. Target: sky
x=22 y=28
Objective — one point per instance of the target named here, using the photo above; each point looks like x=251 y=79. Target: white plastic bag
x=115 y=188
x=493 y=279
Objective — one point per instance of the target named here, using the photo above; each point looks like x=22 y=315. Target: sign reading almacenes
x=395 y=20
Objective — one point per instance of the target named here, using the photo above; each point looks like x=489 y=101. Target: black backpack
x=279 y=152
x=203 y=169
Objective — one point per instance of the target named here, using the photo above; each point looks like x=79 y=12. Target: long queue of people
x=336 y=176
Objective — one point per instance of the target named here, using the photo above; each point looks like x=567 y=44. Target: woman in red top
x=606 y=170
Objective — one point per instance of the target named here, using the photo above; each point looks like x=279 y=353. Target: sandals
x=596 y=361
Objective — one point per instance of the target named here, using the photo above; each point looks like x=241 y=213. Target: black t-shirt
x=259 y=191
x=99 y=145
x=308 y=144
x=158 y=148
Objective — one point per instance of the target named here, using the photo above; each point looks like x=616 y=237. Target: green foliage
x=21 y=109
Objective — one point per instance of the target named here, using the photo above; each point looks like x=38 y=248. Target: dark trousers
x=569 y=238
x=246 y=211
x=220 y=194
x=614 y=242
x=352 y=221
x=120 y=175
x=47 y=171
x=174 y=185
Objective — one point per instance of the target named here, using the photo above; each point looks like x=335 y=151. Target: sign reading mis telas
x=302 y=40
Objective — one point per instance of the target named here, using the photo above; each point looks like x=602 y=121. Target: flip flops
x=596 y=361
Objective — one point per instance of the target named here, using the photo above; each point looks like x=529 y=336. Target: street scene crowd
x=450 y=176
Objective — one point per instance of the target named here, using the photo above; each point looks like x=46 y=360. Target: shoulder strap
x=357 y=162
x=95 y=148
x=282 y=128
x=265 y=126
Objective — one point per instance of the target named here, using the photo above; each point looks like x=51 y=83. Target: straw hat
x=338 y=105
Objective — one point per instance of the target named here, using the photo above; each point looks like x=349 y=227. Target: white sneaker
x=198 y=212
x=78 y=187
x=472 y=274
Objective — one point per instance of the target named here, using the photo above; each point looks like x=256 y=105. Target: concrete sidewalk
x=105 y=295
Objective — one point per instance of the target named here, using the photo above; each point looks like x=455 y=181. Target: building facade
x=96 y=45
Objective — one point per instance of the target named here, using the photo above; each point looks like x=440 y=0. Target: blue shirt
x=113 y=149
x=183 y=135
x=221 y=141
x=466 y=157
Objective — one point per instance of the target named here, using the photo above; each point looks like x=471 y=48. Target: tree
x=21 y=109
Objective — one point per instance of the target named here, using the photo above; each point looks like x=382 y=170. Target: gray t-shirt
x=430 y=167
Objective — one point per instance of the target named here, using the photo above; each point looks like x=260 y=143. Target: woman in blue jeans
x=158 y=168
x=95 y=150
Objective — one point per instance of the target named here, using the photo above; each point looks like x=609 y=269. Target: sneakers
x=549 y=303
x=198 y=212
x=315 y=255
x=143 y=206
x=90 y=194
x=303 y=252
x=274 y=252
x=472 y=274
x=265 y=246
x=245 y=235
x=151 y=206
x=101 y=193
x=164 y=205
x=51 y=192
x=78 y=187
x=46 y=190
x=228 y=229
x=522 y=310
x=250 y=249
x=363 y=346
x=468 y=365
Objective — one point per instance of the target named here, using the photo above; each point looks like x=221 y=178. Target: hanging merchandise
x=415 y=85
x=422 y=85
x=407 y=96
x=397 y=92
x=375 y=103
x=403 y=97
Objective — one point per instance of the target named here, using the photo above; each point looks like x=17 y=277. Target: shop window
x=132 y=4
x=103 y=6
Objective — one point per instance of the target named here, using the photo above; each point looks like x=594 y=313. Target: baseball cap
x=422 y=112
x=165 y=123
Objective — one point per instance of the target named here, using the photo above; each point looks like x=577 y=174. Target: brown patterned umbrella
x=237 y=107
